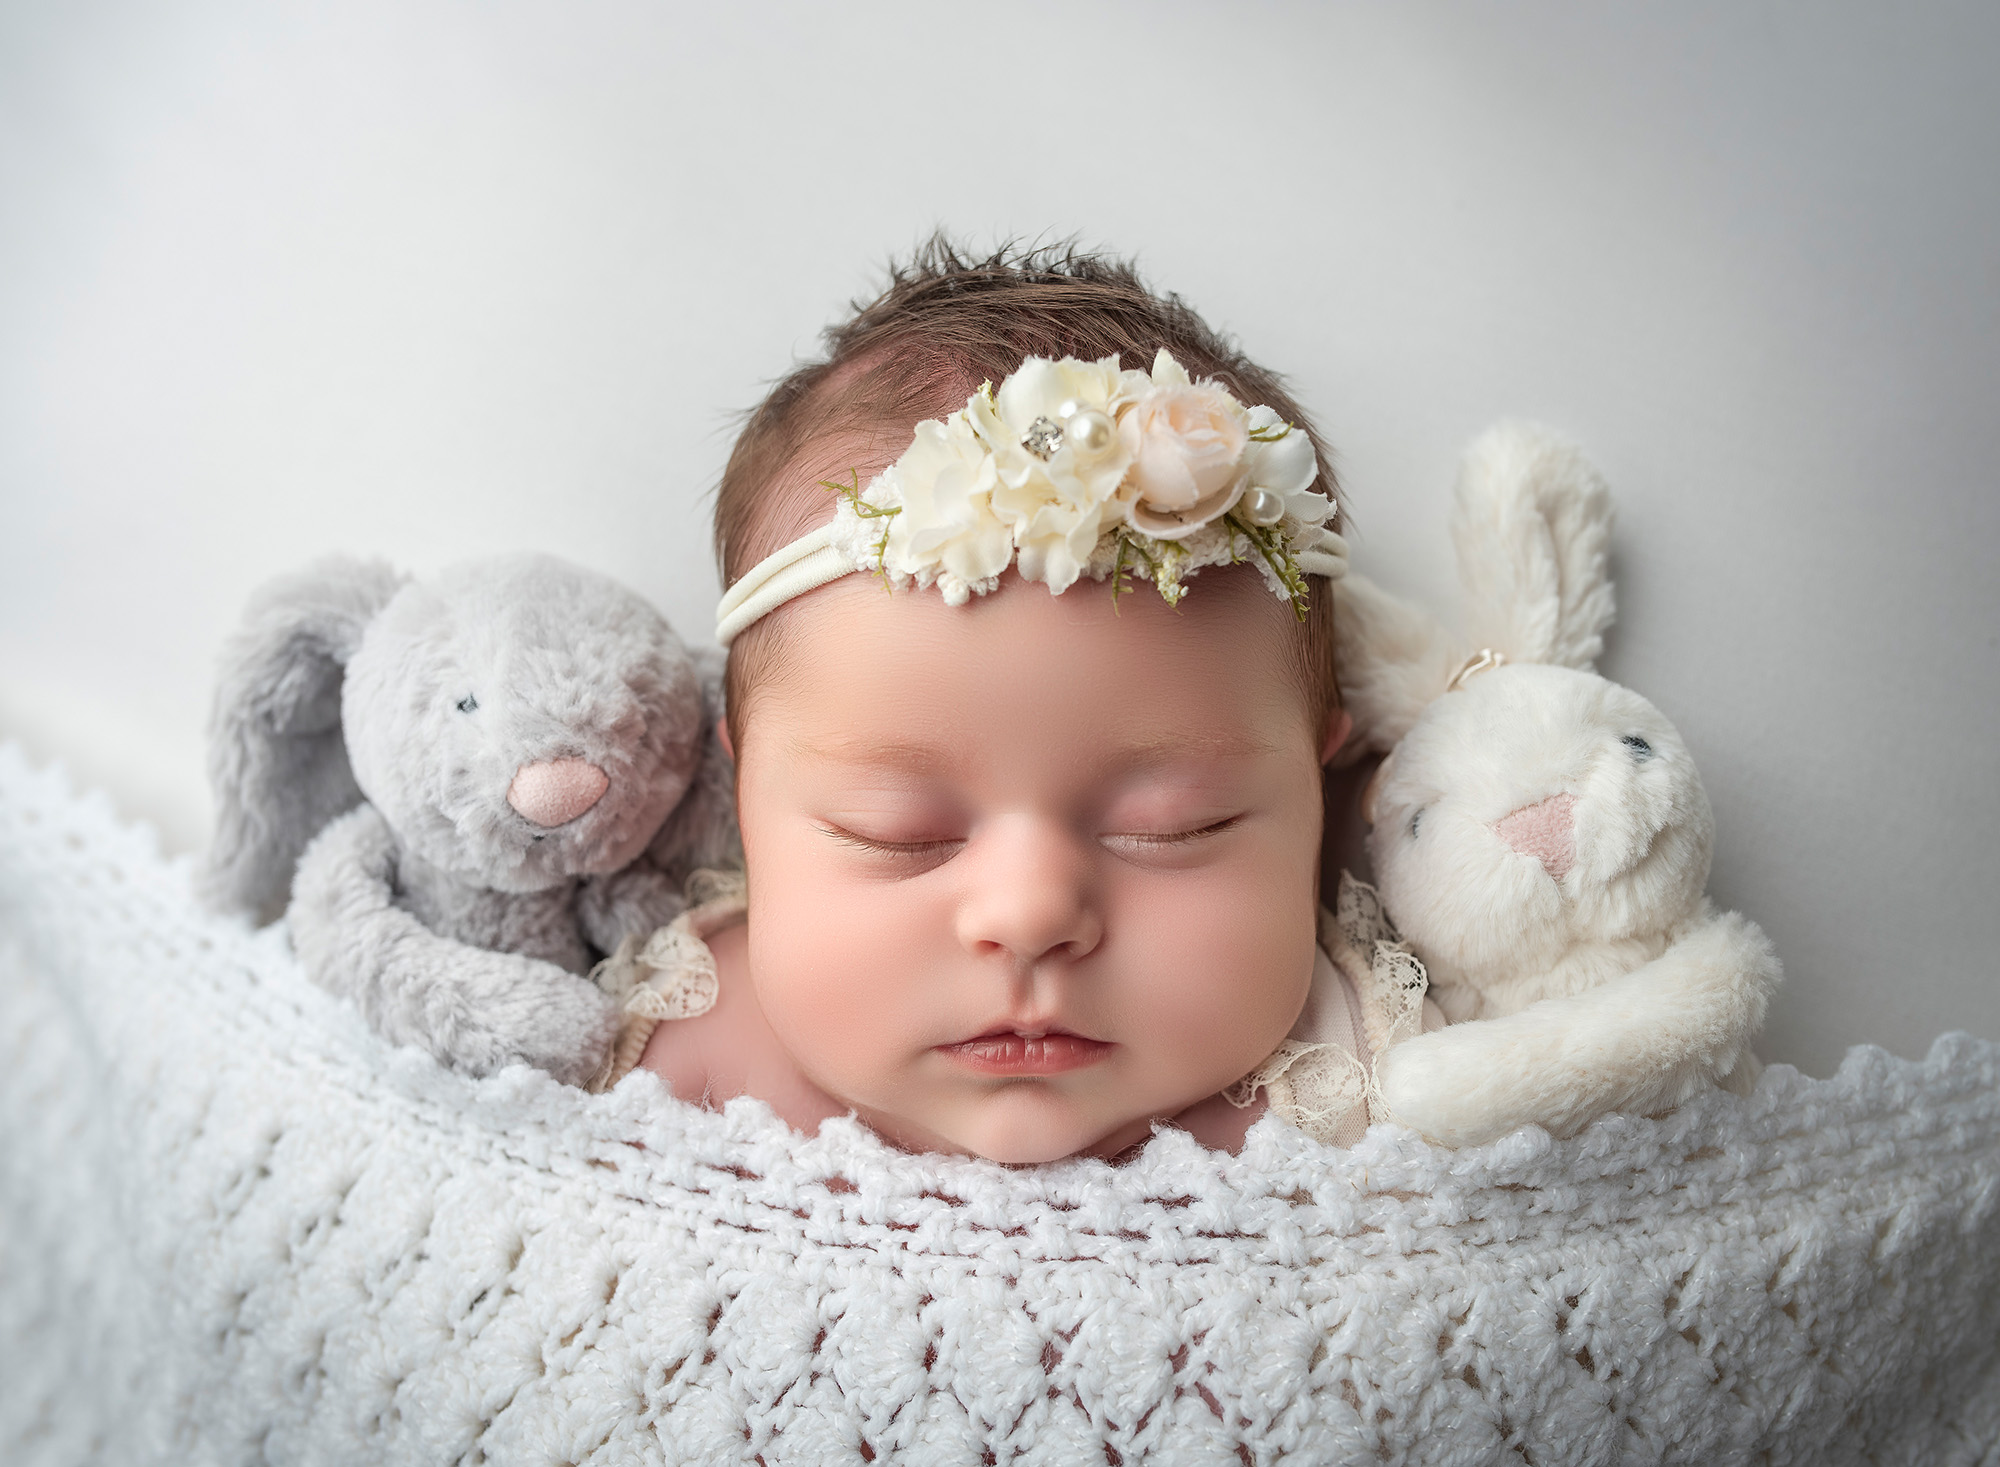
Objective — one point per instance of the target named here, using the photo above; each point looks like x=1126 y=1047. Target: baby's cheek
x=1224 y=976
x=829 y=977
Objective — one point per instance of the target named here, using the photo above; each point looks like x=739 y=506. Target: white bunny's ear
x=1532 y=523
x=1391 y=658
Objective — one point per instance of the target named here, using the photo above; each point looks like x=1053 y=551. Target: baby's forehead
x=863 y=749
x=800 y=494
x=857 y=421
x=862 y=672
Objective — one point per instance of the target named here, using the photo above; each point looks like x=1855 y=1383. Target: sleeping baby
x=1030 y=689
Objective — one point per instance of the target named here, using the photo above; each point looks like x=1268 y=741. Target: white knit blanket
x=237 y=1228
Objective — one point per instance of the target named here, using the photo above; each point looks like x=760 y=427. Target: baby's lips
x=1053 y=1053
x=556 y=791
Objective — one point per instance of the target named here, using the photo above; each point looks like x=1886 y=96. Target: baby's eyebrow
x=898 y=754
x=1125 y=756
x=1188 y=744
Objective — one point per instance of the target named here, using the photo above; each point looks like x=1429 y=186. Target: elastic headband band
x=806 y=564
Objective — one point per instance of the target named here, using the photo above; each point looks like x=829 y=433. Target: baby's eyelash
x=908 y=849
x=1180 y=837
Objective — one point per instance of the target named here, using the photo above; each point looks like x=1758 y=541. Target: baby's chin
x=1022 y=1125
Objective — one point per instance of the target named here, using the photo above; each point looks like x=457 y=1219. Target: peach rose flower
x=1187 y=444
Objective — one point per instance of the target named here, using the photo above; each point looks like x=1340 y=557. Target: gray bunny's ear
x=1532 y=523
x=702 y=830
x=1391 y=657
x=277 y=761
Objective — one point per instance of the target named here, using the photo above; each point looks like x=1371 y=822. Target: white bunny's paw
x=1416 y=1086
x=1442 y=1084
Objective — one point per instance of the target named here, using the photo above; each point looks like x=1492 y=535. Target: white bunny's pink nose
x=1546 y=831
x=556 y=791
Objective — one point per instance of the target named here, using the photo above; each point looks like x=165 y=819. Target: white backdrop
x=433 y=279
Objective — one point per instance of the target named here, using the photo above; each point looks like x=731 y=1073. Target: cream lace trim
x=669 y=974
x=1315 y=1086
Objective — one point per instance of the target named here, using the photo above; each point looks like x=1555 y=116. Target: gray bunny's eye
x=1637 y=747
x=468 y=704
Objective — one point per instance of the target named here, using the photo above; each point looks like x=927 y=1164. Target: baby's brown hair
x=946 y=323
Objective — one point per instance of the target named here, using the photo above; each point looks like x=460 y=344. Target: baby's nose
x=1033 y=900
x=556 y=791
x=1546 y=831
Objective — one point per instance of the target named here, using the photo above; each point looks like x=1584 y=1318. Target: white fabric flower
x=1056 y=507
x=1038 y=392
x=946 y=529
x=1280 y=458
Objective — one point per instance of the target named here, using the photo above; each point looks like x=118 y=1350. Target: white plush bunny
x=1539 y=834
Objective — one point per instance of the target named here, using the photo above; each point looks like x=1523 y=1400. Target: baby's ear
x=1391 y=659
x=1532 y=523
x=277 y=760
x=702 y=831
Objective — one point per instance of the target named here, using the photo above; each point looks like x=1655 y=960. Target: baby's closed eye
x=1175 y=838
x=903 y=851
x=909 y=855
x=1169 y=819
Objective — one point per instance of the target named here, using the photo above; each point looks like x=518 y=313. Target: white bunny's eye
x=1639 y=749
x=469 y=703
x=1416 y=820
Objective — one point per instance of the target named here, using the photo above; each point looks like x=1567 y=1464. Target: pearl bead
x=1263 y=508
x=1089 y=432
x=1069 y=409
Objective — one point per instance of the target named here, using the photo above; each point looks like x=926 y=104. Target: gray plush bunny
x=468 y=786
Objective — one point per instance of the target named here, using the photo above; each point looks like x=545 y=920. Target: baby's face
x=1028 y=873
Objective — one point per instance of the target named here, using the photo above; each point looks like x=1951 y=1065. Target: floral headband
x=1072 y=469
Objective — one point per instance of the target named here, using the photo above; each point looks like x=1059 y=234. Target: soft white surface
x=239 y=1228
x=438 y=279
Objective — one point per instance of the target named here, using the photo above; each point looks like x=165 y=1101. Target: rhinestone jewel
x=1043 y=438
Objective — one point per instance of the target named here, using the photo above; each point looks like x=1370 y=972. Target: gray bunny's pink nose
x=1546 y=831
x=556 y=791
